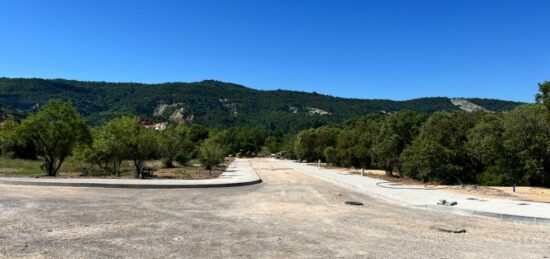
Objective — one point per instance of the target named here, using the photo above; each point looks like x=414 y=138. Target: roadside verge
x=238 y=173
x=421 y=198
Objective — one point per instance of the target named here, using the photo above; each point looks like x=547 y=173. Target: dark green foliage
x=451 y=146
x=513 y=147
x=210 y=154
x=331 y=155
x=272 y=144
x=183 y=156
x=353 y=146
x=210 y=103
x=12 y=144
x=396 y=133
x=179 y=143
x=485 y=142
x=123 y=139
x=54 y=131
x=543 y=96
x=494 y=104
x=243 y=141
x=310 y=144
x=305 y=146
x=439 y=152
x=527 y=138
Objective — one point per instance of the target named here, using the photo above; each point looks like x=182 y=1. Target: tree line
x=57 y=131
x=446 y=147
x=210 y=103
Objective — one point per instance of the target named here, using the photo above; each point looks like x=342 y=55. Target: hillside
x=212 y=103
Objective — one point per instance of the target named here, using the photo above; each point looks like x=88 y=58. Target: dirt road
x=289 y=215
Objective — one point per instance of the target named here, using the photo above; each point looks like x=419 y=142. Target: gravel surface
x=419 y=196
x=289 y=215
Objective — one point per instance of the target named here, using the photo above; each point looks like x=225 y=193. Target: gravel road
x=289 y=215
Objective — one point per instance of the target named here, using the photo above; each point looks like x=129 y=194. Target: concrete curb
x=485 y=214
x=129 y=185
x=459 y=211
x=229 y=178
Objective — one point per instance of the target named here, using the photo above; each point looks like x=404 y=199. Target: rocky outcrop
x=467 y=106
x=174 y=112
x=313 y=111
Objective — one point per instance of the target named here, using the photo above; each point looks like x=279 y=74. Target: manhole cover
x=354 y=203
x=523 y=204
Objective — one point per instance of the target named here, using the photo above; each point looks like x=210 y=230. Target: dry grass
x=75 y=169
x=525 y=193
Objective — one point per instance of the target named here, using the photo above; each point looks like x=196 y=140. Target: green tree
x=543 y=96
x=331 y=155
x=396 y=133
x=304 y=147
x=123 y=139
x=12 y=144
x=247 y=140
x=439 y=153
x=210 y=154
x=110 y=146
x=272 y=144
x=311 y=144
x=527 y=137
x=197 y=133
x=139 y=143
x=485 y=142
x=289 y=142
x=354 y=144
x=176 y=144
x=55 y=130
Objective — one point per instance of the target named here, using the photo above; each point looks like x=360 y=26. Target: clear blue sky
x=363 y=49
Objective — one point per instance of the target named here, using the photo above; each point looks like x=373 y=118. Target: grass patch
x=20 y=167
x=77 y=169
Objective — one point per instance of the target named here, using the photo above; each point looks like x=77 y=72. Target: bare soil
x=289 y=215
x=188 y=172
x=523 y=193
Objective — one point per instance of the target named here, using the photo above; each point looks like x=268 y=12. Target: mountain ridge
x=213 y=103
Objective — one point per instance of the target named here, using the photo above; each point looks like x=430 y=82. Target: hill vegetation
x=466 y=143
x=210 y=103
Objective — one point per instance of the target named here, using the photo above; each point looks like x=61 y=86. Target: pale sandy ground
x=289 y=215
x=523 y=193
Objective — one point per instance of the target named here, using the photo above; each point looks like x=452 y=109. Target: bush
x=210 y=154
x=494 y=177
x=331 y=155
x=183 y=157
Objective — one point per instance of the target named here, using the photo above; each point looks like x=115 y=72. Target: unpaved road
x=289 y=215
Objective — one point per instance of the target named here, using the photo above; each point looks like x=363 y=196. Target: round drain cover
x=355 y=203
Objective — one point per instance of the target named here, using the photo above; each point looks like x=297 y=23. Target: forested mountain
x=212 y=103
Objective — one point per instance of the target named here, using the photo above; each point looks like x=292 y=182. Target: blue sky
x=362 y=49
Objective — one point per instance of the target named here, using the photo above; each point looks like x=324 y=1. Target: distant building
x=150 y=124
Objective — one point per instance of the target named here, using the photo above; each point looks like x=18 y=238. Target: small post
x=319 y=163
x=362 y=171
x=514 y=187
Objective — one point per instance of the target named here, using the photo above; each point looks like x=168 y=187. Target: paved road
x=415 y=196
x=289 y=215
